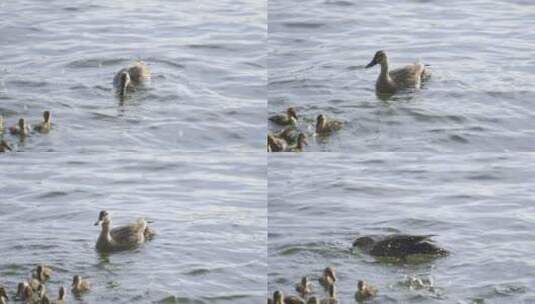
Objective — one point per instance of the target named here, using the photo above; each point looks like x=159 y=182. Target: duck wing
x=409 y=76
x=132 y=234
x=404 y=245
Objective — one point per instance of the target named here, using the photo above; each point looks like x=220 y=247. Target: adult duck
x=398 y=246
x=391 y=81
x=121 y=238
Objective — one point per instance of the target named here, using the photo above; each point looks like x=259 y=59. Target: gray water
x=209 y=215
x=480 y=97
x=208 y=58
x=479 y=206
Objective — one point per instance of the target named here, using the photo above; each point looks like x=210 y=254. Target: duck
x=42 y=273
x=389 y=82
x=276 y=144
x=130 y=77
x=21 y=128
x=313 y=300
x=398 y=246
x=278 y=297
x=60 y=300
x=285 y=119
x=304 y=287
x=3 y=296
x=4 y=146
x=324 y=125
x=22 y=290
x=79 y=285
x=121 y=238
x=289 y=134
x=328 y=277
x=364 y=291
x=331 y=299
x=300 y=146
x=45 y=126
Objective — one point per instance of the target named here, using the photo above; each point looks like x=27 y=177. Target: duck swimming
x=79 y=285
x=284 y=119
x=398 y=246
x=121 y=238
x=131 y=77
x=365 y=291
x=45 y=126
x=328 y=277
x=21 y=128
x=304 y=287
x=389 y=82
x=42 y=273
x=324 y=126
x=276 y=144
x=4 y=146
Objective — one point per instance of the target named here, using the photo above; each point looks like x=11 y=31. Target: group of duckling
x=291 y=138
x=34 y=291
x=327 y=280
x=22 y=129
x=127 y=79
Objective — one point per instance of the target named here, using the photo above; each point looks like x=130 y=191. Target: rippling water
x=208 y=58
x=209 y=213
x=480 y=97
x=479 y=206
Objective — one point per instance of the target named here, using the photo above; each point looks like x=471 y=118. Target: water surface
x=479 y=206
x=480 y=97
x=209 y=213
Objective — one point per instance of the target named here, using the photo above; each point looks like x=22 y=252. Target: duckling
x=398 y=246
x=42 y=273
x=3 y=296
x=22 y=128
x=121 y=238
x=389 y=82
x=276 y=144
x=364 y=291
x=131 y=77
x=21 y=290
x=79 y=285
x=4 y=146
x=313 y=300
x=304 y=287
x=328 y=277
x=278 y=297
x=324 y=126
x=300 y=146
x=45 y=126
x=331 y=299
x=284 y=119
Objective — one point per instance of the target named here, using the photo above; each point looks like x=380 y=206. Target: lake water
x=480 y=97
x=479 y=206
x=208 y=58
x=209 y=214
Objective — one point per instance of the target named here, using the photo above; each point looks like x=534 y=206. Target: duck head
x=103 y=218
x=46 y=116
x=379 y=58
x=76 y=280
x=363 y=242
x=3 y=293
x=22 y=124
x=321 y=120
x=124 y=83
x=278 y=297
x=329 y=272
x=291 y=113
x=361 y=285
x=305 y=281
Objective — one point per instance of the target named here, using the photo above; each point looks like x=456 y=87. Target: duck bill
x=98 y=223
x=372 y=63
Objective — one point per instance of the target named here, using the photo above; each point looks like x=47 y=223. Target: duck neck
x=106 y=228
x=384 y=70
